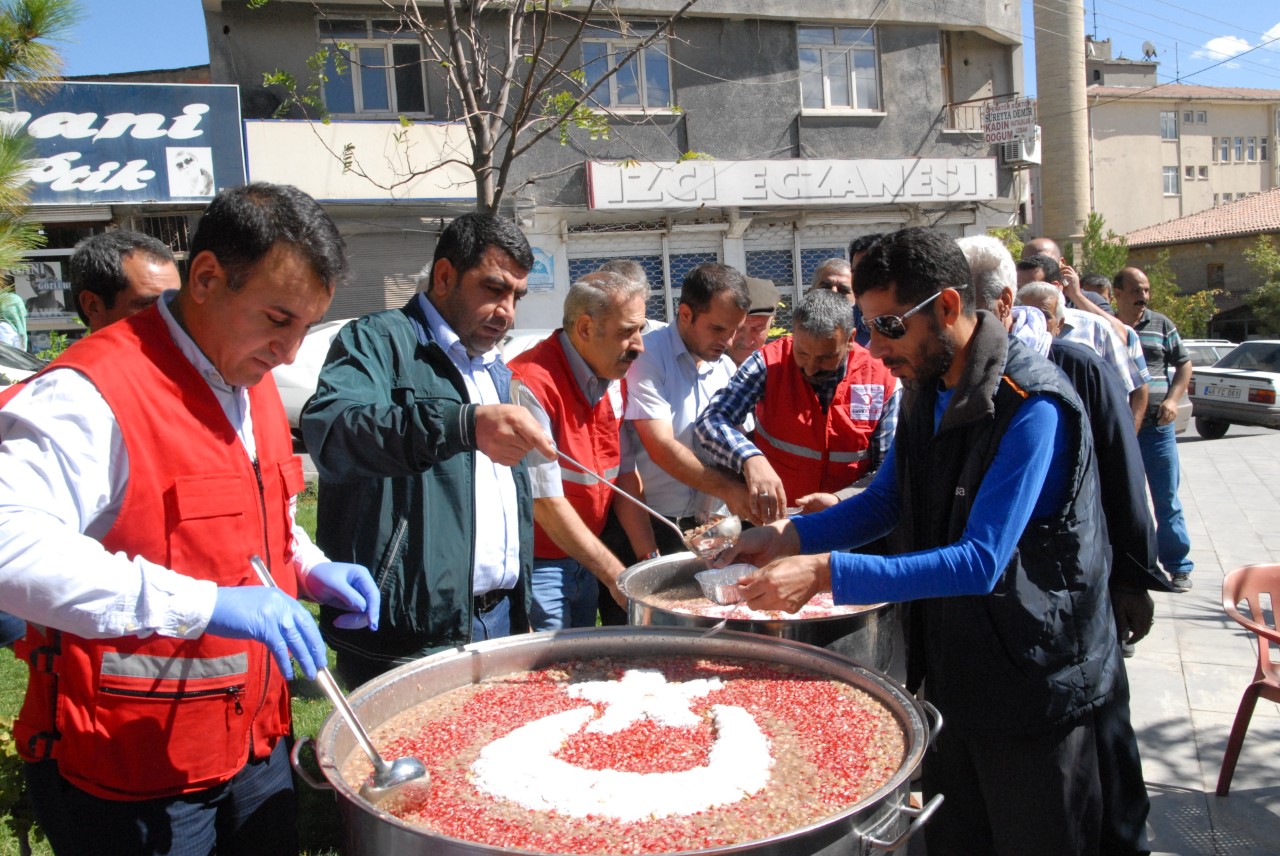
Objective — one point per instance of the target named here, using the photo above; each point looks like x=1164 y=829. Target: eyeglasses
x=895 y=326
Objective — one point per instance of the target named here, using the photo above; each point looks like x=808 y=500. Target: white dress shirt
x=63 y=473
x=497 y=548
x=666 y=382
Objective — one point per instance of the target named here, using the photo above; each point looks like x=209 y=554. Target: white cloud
x=1224 y=47
x=1273 y=36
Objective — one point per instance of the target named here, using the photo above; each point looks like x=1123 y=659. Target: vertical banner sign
x=101 y=143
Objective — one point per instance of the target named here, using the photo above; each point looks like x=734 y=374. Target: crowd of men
x=988 y=425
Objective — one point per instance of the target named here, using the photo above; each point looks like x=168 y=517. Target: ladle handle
x=331 y=689
x=613 y=487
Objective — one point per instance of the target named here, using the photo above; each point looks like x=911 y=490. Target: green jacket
x=393 y=437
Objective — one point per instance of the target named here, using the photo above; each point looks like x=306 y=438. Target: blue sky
x=1215 y=44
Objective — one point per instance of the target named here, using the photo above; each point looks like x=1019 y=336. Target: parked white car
x=297 y=381
x=1240 y=389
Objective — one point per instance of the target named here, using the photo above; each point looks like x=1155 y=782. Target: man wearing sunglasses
x=990 y=492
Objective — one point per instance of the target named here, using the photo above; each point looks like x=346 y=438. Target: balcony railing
x=967 y=115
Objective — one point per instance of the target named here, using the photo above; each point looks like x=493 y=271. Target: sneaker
x=1127 y=649
x=1182 y=582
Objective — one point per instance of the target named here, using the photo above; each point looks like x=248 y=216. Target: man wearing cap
x=754 y=331
x=825 y=411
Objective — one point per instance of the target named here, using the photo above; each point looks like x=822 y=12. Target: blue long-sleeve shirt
x=1022 y=484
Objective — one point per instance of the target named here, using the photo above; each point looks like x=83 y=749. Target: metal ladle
x=386 y=777
x=706 y=545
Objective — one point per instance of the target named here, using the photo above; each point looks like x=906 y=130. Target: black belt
x=483 y=603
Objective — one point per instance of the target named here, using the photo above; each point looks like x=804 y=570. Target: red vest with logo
x=584 y=433
x=136 y=718
x=810 y=450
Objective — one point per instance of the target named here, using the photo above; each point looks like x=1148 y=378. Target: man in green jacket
x=412 y=431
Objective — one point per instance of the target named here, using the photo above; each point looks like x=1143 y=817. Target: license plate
x=1222 y=391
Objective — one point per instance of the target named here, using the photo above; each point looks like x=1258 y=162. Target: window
x=384 y=72
x=1203 y=172
x=1171 y=181
x=838 y=68
x=1262 y=150
x=1201 y=117
x=1189 y=172
x=1188 y=117
x=1239 y=149
x=1168 y=124
x=1215 y=275
x=1251 y=149
x=1226 y=197
x=643 y=82
x=1216 y=200
x=1224 y=149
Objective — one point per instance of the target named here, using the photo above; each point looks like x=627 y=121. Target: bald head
x=1042 y=247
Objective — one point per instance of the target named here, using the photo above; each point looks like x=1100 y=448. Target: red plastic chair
x=1246 y=584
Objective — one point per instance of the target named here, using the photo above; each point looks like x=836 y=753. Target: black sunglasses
x=895 y=326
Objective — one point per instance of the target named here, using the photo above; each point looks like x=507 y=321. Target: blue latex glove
x=348 y=587
x=273 y=618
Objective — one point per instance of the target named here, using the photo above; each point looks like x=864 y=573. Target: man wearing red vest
x=825 y=411
x=138 y=475
x=572 y=383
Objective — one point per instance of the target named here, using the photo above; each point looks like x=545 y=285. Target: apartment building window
x=1226 y=197
x=1224 y=149
x=643 y=82
x=1251 y=149
x=1262 y=150
x=1216 y=200
x=1168 y=124
x=1189 y=173
x=1171 y=181
x=1203 y=172
x=1188 y=117
x=1239 y=149
x=838 y=68
x=384 y=71
x=1202 y=118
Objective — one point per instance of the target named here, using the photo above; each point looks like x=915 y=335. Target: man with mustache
x=682 y=367
x=1170 y=367
x=990 y=492
x=825 y=411
x=419 y=451
x=572 y=383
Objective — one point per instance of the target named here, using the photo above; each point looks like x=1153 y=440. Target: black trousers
x=1015 y=795
x=1125 y=804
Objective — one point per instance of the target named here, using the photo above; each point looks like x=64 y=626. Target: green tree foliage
x=514 y=75
x=1190 y=313
x=1012 y=237
x=1103 y=253
x=1264 y=300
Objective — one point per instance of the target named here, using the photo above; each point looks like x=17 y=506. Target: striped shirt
x=1163 y=348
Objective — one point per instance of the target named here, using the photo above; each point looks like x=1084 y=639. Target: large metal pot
x=883 y=820
x=872 y=637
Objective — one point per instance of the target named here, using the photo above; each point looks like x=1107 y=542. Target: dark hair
x=862 y=243
x=464 y=241
x=1123 y=276
x=1095 y=281
x=917 y=263
x=97 y=267
x=242 y=224
x=705 y=281
x=1052 y=273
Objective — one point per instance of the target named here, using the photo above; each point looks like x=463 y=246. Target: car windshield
x=15 y=359
x=1253 y=356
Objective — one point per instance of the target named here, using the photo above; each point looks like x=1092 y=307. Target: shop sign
x=101 y=143
x=762 y=183
x=1007 y=121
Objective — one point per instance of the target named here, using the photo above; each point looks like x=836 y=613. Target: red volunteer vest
x=585 y=433
x=136 y=718
x=810 y=450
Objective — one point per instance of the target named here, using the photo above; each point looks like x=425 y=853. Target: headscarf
x=1030 y=329
x=14 y=313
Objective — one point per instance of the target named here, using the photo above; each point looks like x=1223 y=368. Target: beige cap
x=764 y=296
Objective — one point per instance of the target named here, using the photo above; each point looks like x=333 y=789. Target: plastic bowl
x=720 y=585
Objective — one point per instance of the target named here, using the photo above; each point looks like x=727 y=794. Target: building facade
x=813 y=123
x=1161 y=152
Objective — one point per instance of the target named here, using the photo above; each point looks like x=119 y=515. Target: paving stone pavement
x=1188 y=675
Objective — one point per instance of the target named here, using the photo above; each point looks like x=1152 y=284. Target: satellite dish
x=1148 y=50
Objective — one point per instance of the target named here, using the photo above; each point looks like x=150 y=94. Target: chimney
x=1060 y=93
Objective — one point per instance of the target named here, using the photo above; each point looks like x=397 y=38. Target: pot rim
x=913 y=723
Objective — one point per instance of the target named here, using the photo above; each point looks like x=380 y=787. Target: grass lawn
x=318 y=823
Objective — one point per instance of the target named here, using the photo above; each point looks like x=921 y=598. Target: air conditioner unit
x=1022 y=152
